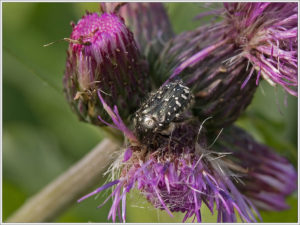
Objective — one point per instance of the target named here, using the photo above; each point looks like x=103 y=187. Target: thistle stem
x=65 y=190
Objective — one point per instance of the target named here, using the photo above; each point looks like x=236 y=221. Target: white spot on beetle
x=183 y=96
x=149 y=122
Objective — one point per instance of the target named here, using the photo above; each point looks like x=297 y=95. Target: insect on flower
x=162 y=110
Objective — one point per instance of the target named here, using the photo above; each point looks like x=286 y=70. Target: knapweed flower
x=103 y=56
x=224 y=62
x=267 y=178
x=149 y=23
x=180 y=175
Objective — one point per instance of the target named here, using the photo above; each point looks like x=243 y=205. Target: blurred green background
x=42 y=137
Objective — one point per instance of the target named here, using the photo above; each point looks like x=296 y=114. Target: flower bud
x=103 y=55
x=267 y=178
x=149 y=23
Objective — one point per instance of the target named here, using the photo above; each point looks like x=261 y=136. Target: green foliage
x=42 y=137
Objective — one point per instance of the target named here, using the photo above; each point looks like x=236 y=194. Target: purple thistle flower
x=149 y=23
x=103 y=55
x=266 y=33
x=263 y=33
x=179 y=176
x=267 y=178
x=180 y=172
x=223 y=62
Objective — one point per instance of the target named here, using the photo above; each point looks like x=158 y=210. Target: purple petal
x=99 y=190
x=127 y=154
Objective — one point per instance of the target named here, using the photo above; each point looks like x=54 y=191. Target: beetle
x=159 y=114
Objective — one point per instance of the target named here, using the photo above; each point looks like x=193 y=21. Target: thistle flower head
x=267 y=178
x=263 y=33
x=167 y=157
x=222 y=63
x=178 y=176
x=103 y=55
x=266 y=34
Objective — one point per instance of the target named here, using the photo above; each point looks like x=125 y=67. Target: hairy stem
x=57 y=196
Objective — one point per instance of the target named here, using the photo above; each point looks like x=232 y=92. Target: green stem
x=61 y=193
